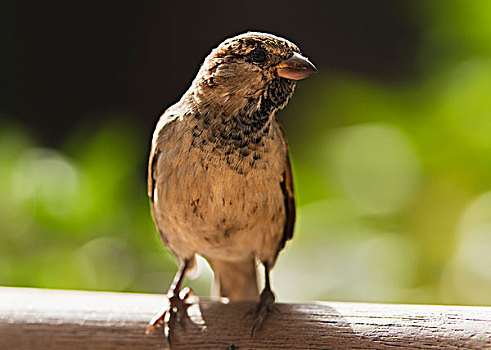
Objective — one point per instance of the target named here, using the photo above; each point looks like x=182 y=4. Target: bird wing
x=152 y=178
x=152 y=163
x=289 y=196
x=164 y=122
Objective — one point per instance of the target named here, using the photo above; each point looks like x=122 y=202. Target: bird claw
x=175 y=310
x=251 y=311
x=262 y=309
x=275 y=309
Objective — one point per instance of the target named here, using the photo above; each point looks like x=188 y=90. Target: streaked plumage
x=220 y=180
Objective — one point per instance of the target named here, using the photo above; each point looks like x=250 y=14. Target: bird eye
x=258 y=55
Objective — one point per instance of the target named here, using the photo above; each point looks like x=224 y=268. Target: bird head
x=251 y=72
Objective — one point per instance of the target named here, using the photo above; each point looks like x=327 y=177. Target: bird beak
x=296 y=67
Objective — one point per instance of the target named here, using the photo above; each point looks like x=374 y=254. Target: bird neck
x=241 y=138
x=237 y=130
x=251 y=110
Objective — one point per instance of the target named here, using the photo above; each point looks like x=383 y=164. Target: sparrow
x=219 y=175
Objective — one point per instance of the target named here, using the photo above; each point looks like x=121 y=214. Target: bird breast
x=217 y=197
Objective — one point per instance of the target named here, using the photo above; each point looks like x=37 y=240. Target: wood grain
x=55 y=319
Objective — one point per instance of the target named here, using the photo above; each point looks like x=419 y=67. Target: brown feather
x=289 y=196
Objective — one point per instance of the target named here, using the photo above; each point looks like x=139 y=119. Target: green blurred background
x=390 y=143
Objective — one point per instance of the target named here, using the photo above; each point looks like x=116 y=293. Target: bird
x=219 y=175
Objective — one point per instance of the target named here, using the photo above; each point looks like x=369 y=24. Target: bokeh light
x=392 y=182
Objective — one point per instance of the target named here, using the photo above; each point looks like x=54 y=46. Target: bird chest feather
x=217 y=197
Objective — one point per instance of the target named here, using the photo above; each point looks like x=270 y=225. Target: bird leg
x=176 y=309
x=265 y=305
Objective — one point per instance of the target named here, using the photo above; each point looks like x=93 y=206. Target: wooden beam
x=55 y=319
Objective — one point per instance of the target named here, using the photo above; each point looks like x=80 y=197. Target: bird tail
x=235 y=280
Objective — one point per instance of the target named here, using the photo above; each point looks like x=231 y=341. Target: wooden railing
x=55 y=319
